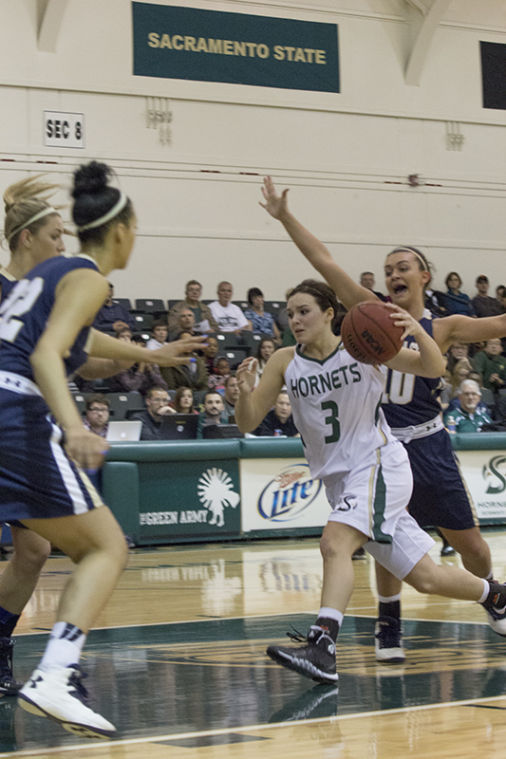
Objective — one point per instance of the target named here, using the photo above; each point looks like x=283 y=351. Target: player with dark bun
x=440 y=497
x=336 y=408
x=45 y=334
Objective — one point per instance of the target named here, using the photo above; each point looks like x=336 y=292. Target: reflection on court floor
x=177 y=681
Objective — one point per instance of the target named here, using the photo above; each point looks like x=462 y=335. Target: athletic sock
x=390 y=606
x=331 y=620
x=64 y=646
x=8 y=622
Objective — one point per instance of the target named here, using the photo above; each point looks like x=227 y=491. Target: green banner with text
x=213 y=46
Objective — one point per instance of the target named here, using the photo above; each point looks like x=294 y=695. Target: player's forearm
x=100 y=368
x=432 y=361
x=247 y=417
x=106 y=347
x=318 y=255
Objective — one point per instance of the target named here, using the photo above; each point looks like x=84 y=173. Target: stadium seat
x=227 y=340
x=80 y=401
x=236 y=355
x=119 y=405
x=150 y=306
x=143 y=322
x=125 y=302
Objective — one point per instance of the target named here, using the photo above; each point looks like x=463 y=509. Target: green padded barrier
x=120 y=490
x=479 y=441
x=181 y=450
x=271 y=448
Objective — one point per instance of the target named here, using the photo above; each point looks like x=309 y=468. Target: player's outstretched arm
x=171 y=354
x=318 y=255
x=428 y=361
x=253 y=404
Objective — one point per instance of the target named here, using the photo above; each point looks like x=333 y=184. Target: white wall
x=346 y=157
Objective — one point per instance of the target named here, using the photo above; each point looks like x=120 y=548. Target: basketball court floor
x=178 y=664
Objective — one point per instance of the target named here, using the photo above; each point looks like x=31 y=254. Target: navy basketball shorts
x=37 y=478
x=440 y=497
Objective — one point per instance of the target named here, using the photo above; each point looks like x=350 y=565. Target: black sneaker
x=8 y=685
x=495 y=606
x=388 y=641
x=316 y=659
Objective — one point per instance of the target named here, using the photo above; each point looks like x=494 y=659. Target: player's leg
x=17 y=583
x=316 y=657
x=473 y=549
x=95 y=543
x=388 y=643
x=453 y=582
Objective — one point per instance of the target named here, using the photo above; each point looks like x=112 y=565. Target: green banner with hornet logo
x=213 y=46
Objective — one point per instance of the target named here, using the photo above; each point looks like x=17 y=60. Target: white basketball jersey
x=336 y=408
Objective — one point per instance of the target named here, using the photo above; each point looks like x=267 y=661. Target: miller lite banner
x=280 y=494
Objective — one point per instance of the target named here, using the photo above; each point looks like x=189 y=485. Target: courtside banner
x=213 y=46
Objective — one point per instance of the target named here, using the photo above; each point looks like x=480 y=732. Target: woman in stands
x=411 y=407
x=45 y=335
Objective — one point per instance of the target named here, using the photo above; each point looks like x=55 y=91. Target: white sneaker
x=59 y=694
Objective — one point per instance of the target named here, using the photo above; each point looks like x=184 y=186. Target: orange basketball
x=369 y=333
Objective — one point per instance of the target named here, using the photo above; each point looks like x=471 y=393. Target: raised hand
x=246 y=374
x=275 y=204
x=178 y=352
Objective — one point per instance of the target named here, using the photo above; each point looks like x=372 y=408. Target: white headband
x=114 y=211
x=39 y=215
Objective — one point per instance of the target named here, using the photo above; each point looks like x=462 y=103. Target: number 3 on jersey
x=332 y=419
x=19 y=301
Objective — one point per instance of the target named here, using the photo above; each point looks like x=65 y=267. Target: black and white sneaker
x=8 y=685
x=388 y=641
x=59 y=694
x=316 y=659
x=495 y=606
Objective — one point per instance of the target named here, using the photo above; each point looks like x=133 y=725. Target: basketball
x=369 y=333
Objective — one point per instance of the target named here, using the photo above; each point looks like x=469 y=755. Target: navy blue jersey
x=26 y=310
x=7 y=282
x=407 y=399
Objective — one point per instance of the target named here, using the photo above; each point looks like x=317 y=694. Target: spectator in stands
x=209 y=353
x=96 y=418
x=434 y=300
x=185 y=323
x=455 y=301
x=112 y=316
x=279 y=420
x=204 y=321
x=193 y=375
x=213 y=413
x=262 y=322
x=491 y=364
x=500 y=292
x=216 y=380
x=159 y=335
x=230 y=395
x=183 y=400
x=469 y=415
x=456 y=352
x=483 y=304
x=266 y=348
x=461 y=371
x=97 y=413
x=228 y=316
x=140 y=377
x=157 y=406
x=367 y=280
